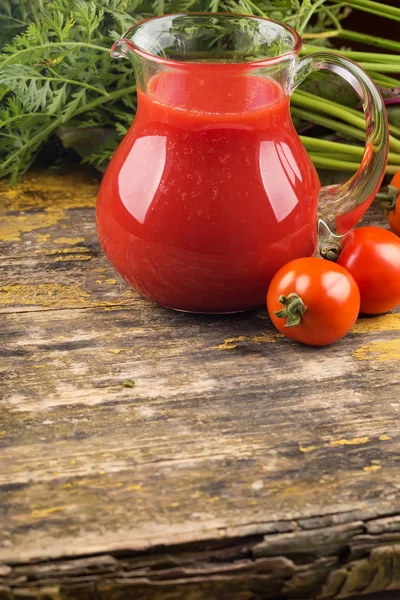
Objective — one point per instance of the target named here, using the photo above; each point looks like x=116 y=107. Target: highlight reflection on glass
x=276 y=175
x=141 y=173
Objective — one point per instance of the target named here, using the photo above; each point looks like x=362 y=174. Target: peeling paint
x=390 y=322
x=306 y=448
x=62 y=250
x=43 y=294
x=263 y=338
x=134 y=488
x=352 y=442
x=372 y=468
x=73 y=257
x=14 y=226
x=379 y=351
x=70 y=241
x=45 y=189
x=45 y=512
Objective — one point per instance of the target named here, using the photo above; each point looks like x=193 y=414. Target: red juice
x=210 y=192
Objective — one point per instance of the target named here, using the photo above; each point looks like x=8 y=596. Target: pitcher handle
x=341 y=206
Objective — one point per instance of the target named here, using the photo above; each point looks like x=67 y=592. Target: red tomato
x=313 y=301
x=372 y=255
x=393 y=215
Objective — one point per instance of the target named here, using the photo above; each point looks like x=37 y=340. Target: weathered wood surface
x=239 y=466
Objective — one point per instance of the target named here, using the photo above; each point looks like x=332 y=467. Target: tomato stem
x=388 y=197
x=331 y=251
x=294 y=309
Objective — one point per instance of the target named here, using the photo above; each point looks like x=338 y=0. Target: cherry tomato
x=372 y=255
x=393 y=215
x=313 y=301
x=389 y=198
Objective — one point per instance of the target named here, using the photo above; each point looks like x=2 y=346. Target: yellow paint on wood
x=3 y=433
x=379 y=351
x=111 y=281
x=43 y=190
x=372 y=468
x=116 y=350
x=135 y=487
x=42 y=237
x=384 y=438
x=70 y=241
x=306 y=448
x=46 y=512
x=175 y=504
x=353 y=442
x=390 y=322
x=13 y=226
x=73 y=257
x=62 y=250
x=263 y=338
x=43 y=294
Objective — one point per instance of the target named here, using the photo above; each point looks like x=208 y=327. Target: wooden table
x=239 y=466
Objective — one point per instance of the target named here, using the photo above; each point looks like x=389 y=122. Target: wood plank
x=239 y=465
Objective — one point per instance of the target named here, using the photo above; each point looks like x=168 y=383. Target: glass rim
x=297 y=43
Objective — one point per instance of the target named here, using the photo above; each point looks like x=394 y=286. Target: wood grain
x=239 y=465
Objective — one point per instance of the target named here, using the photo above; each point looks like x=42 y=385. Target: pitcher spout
x=120 y=49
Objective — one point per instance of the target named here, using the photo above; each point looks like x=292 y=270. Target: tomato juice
x=210 y=192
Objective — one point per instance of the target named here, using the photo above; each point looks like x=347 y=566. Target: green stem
x=304 y=99
x=380 y=67
x=64 y=80
x=310 y=13
x=337 y=109
x=354 y=55
x=335 y=156
x=376 y=8
x=293 y=309
x=323 y=102
x=41 y=135
x=384 y=80
x=256 y=9
x=11 y=58
x=332 y=164
x=327 y=146
x=394 y=130
x=23 y=116
x=346 y=130
x=371 y=40
x=109 y=98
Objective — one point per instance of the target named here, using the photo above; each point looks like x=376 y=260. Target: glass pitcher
x=211 y=191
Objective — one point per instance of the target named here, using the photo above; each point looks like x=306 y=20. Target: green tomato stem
x=293 y=309
x=387 y=197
